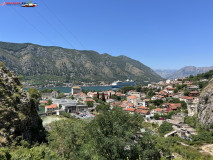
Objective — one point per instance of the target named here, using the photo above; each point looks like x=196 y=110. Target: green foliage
x=49 y=102
x=34 y=93
x=67 y=115
x=2 y=64
x=138 y=88
x=176 y=90
x=20 y=77
x=116 y=97
x=191 y=121
x=203 y=137
x=183 y=104
x=165 y=128
x=90 y=104
x=67 y=137
x=34 y=153
x=186 y=93
x=112 y=132
x=48 y=69
x=172 y=145
x=190 y=153
x=103 y=97
x=150 y=93
x=157 y=102
x=61 y=95
x=156 y=116
x=126 y=89
x=170 y=114
x=4 y=154
x=102 y=108
x=46 y=90
x=173 y=100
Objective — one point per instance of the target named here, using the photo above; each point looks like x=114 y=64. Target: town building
x=53 y=94
x=76 y=90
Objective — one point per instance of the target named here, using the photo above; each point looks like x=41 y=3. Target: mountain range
x=42 y=63
x=183 y=72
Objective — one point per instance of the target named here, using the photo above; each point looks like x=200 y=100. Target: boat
x=119 y=84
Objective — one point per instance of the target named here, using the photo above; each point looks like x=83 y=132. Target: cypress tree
x=98 y=95
x=103 y=97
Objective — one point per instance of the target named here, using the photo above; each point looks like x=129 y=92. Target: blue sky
x=162 y=34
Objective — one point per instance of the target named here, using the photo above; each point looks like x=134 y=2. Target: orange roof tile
x=158 y=109
x=130 y=104
x=142 y=111
x=122 y=105
x=142 y=107
x=130 y=109
x=132 y=97
x=52 y=106
x=43 y=102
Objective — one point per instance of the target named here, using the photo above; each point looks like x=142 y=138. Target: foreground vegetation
x=111 y=135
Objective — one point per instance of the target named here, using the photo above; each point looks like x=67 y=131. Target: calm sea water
x=68 y=89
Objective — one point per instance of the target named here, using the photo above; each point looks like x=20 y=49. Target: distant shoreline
x=68 y=89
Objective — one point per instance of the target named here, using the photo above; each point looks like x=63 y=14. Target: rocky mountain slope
x=189 y=70
x=48 y=63
x=19 y=119
x=166 y=73
x=205 y=106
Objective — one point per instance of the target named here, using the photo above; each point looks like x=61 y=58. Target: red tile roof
x=130 y=109
x=132 y=97
x=52 y=106
x=158 y=109
x=143 y=107
x=43 y=102
x=142 y=111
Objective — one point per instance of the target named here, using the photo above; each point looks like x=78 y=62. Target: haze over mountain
x=42 y=63
x=165 y=73
x=183 y=72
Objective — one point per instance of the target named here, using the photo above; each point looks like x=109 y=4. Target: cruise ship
x=119 y=84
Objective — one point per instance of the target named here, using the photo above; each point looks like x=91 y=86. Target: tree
x=126 y=89
x=61 y=95
x=35 y=96
x=114 y=136
x=67 y=138
x=138 y=88
x=116 y=97
x=98 y=95
x=103 y=97
x=34 y=93
x=90 y=104
x=183 y=104
x=176 y=90
x=165 y=128
x=156 y=116
x=49 y=102
x=173 y=100
x=110 y=95
x=157 y=102
x=150 y=93
x=102 y=108
x=186 y=93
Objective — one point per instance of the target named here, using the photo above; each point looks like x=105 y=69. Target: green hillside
x=40 y=63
